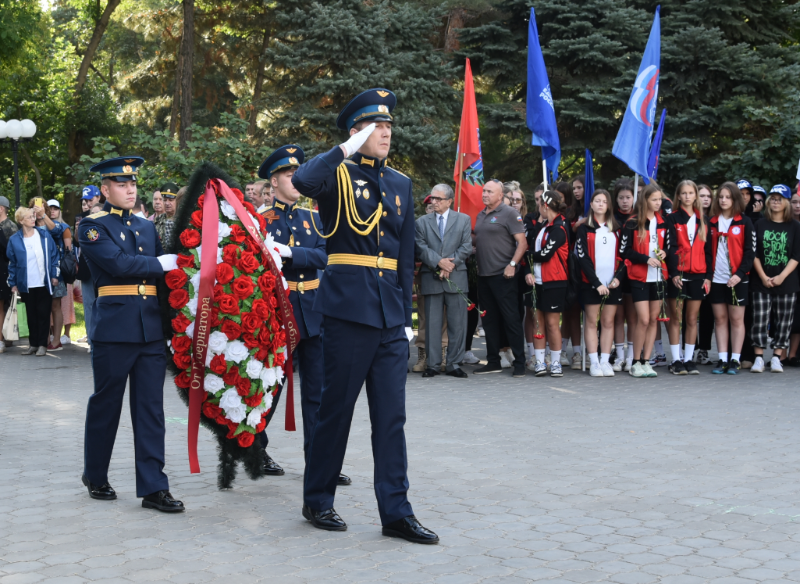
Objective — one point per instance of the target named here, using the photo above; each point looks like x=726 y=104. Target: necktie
x=441 y=227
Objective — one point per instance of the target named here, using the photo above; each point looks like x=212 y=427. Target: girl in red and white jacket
x=597 y=250
x=690 y=273
x=645 y=243
x=548 y=249
x=623 y=209
x=733 y=249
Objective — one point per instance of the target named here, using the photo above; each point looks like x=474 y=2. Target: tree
x=187 y=71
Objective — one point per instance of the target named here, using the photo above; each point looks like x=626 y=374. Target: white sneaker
x=565 y=359
x=775 y=365
x=555 y=370
x=576 y=360
x=617 y=366
x=65 y=340
x=758 y=365
x=504 y=363
x=608 y=370
x=540 y=369
x=481 y=333
x=470 y=358
x=628 y=365
x=531 y=364
x=510 y=356
x=595 y=370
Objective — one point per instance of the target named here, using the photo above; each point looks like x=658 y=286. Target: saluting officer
x=367 y=210
x=303 y=253
x=125 y=258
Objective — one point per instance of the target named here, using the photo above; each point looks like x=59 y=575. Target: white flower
x=283 y=280
x=266 y=402
x=230 y=399
x=268 y=377
x=236 y=351
x=224 y=231
x=190 y=330
x=195 y=282
x=217 y=342
x=254 y=417
x=236 y=414
x=200 y=255
x=219 y=259
x=254 y=368
x=228 y=211
x=213 y=383
x=278 y=373
x=192 y=305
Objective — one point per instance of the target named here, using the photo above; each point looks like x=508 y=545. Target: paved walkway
x=691 y=479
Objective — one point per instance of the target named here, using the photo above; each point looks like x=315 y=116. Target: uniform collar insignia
x=279 y=205
x=293 y=207
x=367 y=161
x=115 y=211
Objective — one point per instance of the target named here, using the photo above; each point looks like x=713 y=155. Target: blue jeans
x=87 y=289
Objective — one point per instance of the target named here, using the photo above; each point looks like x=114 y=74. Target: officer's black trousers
x=113 y=364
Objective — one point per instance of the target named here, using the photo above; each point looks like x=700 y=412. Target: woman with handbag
x=33 y=273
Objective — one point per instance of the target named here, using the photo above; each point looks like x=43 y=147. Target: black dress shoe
x=411 y=530
x=271 y=467
x=430 y=372
x=328 y=520
x=163 y=501
x=102 y=492
x=460 y=373
x=343 y=479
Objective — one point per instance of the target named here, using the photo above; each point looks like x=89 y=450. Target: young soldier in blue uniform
x=125 y=258
x=303 y=253
x=367 y=210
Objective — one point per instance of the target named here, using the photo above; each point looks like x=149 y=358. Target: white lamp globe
x=28 y=129
x=14 y=129
x=3 y=130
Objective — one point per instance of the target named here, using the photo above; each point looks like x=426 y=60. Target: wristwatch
x=512 y=263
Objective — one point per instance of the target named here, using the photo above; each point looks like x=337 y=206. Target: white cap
x=53 y=203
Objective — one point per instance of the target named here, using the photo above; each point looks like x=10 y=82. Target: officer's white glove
x=356 y=141
x=283 y=250
x=168 y=261
x=409 y=333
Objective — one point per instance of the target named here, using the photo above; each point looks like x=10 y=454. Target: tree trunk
x=97 y=35
x=36 y=172
x=187 y=54
x=262 y=65
x=455 y=22
x=176 y=97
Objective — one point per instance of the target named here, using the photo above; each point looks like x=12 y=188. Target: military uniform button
x=290 y=216
x=129 y=222
x=137 y=233
x=385 y=213
x=381 y=233
x=144 y=281
x=380 y=254
x=144 y=297
x=384 y=194
x=302 y=276
x=380 y=274
x=297 y=243
x=140 y=249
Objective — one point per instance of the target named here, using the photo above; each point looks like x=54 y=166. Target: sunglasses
x=435 y=199
x=516 y=200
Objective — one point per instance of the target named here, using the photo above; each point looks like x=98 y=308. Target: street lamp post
x=14 y=132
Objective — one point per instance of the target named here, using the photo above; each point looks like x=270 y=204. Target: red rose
x=180 y=323
x=250 y=341
x=190 y=238
x=251 y=246
x=280 y=359
x=260 y=308
x=249 y=206
x=183 y=380
x=215 y=321
x=237 y=234
x=231 y=377
x=264 y=337
x=250 y=322
x=247 y=263
x=201 y=200
x=262 y=424
x=239 y=195
x=262 y=355
x=218 y=365
x=224 y=273
x=243 y=386
x=232 y=427
x=262 y=224
x=185 y=261
x=280 y=338
x=219 y=290
x=227 y=303
x=211 y=410
x=229 y=254
x=242 y=287
x=197 y=218
x=245 y=439
x=182 y=360
x=221 y=419
x=181 y=344
x=176 y=279
x=273 y=302
x=254 y=400
x=178 y=298
x=266 y=281
x=231 y=329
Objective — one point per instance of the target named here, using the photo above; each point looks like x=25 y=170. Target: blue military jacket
x=368 y=295
x=121 y=250
x=292 y=225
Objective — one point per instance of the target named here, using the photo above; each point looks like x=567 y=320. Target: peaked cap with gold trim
x=120 y=169
x=289 y=156
x=374 y=104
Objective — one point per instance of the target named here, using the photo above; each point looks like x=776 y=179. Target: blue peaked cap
x=374 y=104
x=289 y=156
x=120 y=169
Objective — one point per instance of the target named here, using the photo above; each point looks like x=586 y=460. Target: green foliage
x=21 y=25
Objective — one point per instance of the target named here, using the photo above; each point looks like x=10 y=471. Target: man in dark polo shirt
x=499 y=247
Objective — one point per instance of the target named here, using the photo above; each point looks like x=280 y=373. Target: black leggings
x=38 y=305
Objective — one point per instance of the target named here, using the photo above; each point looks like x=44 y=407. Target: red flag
x=468 y=171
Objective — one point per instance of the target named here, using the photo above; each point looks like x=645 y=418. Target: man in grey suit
x=444 y=241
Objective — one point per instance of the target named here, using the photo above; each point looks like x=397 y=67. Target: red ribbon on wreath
x=205 y=298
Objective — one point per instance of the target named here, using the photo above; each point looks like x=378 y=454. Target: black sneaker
x=733 y=367
x=519 y=371
x=793 y=362
x=677 y=368
x=720 y=368
x=691 y=367
x=488 y=368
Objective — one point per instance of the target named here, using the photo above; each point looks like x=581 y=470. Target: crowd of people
x=704 y=263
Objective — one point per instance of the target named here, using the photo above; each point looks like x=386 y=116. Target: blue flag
x=588 y=185
x=632 y=145
x=540 y=113
x=655 y=150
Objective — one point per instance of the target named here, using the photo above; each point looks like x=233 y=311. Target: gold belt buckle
x=142 y=290
x=301 y=287
x=379 y=262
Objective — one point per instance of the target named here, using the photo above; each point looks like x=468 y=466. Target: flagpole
x=544 y=169
x=635 y=187
x=460 y=178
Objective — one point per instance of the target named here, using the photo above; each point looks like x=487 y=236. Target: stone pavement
x=684 y=480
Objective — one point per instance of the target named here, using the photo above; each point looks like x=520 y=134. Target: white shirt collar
x=445 y=214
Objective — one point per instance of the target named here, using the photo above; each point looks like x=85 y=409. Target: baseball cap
x=90 y=192
x=744 y=184
x=53 y=203
x=4 y=203
x=781 y=190
x=758 y=189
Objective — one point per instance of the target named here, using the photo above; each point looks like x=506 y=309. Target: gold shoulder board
x=398 y=172
x=97 y=215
